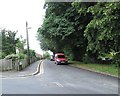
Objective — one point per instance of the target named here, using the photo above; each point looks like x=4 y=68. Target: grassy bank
x=105 y=68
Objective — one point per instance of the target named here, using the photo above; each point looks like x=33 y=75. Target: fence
x=22 y=63
x=6 y=65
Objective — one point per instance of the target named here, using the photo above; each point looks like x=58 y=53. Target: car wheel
x=66 y=63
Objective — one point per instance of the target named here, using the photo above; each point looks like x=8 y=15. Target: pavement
x=30 y=70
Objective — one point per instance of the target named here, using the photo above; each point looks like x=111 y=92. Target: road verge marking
x=38 y=69
x=41 y=69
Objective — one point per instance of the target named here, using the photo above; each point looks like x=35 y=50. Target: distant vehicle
x=51 y=58
x=60 y=59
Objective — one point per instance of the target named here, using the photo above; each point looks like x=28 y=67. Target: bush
x=2 y=55
x=70 y=57
x=12 y=56
x=87 y=59
x=46 y=55
x=22 y=56
x=116 y=60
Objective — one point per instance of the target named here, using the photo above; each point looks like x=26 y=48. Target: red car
x=60 y=58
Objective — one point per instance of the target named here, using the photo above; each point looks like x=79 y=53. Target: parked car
x=60 y=59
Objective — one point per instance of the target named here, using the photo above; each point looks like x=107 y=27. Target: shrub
x=87 y=59
x=2 y=55
x=12 y=56
x=116 y=60
x=22 y=56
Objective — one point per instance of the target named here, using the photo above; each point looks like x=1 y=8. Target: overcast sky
x=15 y=13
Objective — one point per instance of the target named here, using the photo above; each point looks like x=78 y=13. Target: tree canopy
x=81 y=29
x=8 y=42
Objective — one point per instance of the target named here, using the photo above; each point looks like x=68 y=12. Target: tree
x=81 y=29
x=103 y=31
x=20 y=44
x=31 y=52
x=77 y=14
x=66 y=32
x=46 y=55
x=8 y=42
x=54 y=34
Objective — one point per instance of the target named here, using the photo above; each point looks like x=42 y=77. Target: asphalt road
x=60 y=79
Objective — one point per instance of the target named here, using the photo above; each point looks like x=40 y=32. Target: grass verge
x=104 y=68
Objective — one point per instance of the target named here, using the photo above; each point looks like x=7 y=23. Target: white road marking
x=37 y=69
x=41 y=69
x=14 y=78
x=58 y=84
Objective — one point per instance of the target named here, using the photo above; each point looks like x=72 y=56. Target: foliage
x=2 y=54
x=103 y=31
x=54 y=34
x=46 y=55
x=12 y=56
x=22 y=56
x=65 y=31
x=82 y=30
x=68 y=53
x=8 y=42
x=20 y=44
x=87 y=59
x=32 y=53
x=116 y=60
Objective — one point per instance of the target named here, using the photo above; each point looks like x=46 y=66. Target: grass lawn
x=105 y=68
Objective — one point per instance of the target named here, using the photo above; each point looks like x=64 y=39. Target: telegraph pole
x=28 y=51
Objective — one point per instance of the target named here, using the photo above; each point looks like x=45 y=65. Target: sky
x=15 y=13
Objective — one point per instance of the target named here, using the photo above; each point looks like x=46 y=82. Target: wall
x=6 y=65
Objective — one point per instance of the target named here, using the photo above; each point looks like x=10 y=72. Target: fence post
x=11 y=63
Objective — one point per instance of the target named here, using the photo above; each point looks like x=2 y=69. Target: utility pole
x=28 y=51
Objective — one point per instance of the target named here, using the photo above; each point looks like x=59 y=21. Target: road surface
x=59 y=79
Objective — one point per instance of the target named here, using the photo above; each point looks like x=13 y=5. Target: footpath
x=30 y=70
